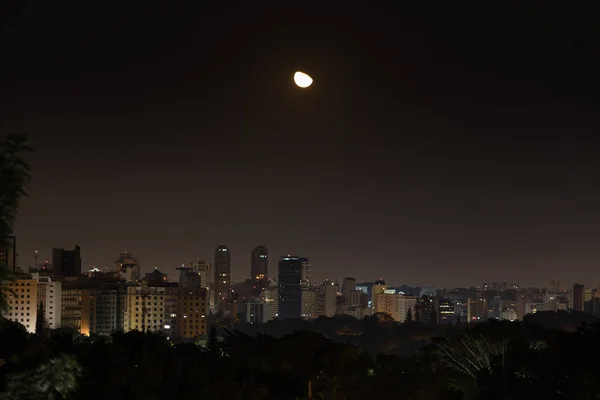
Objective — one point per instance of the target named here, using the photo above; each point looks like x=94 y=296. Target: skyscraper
x=222 y=272
x=259 y=263
x=66 y=262
x=290 y=286
x=577 y=296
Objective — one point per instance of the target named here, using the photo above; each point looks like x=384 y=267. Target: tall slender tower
x=222 y=273
x=259 y=263
x=290 y=275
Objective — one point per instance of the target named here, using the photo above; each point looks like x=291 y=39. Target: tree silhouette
x=14 y=178
x=213 y=345
x=40 y=322
x=433 y=318
x=55 y=379
x=409 y=316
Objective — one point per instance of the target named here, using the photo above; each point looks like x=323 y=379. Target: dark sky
x=440 y=146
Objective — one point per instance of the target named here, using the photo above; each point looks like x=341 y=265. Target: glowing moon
x=302 y=80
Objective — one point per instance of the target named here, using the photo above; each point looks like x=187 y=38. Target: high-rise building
x=191 y=318
x=222 y=273
x=50 y=297
x=22 y=299
x=290 y=279
x=77 y=309
x=306 y=273
x=325 y=305
x=271 y=297
x=127 y=268
x=577 y=296
x=259 y=263
x=66 y=262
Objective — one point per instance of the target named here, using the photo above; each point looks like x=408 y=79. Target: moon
x=302 y=80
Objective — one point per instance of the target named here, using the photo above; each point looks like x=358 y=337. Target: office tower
x=77 y=309
x=22 y=299
x=8 y=253
x=555 y=286
x=66 y=262
x=127 y=268
x=259 y=263
x=290 y=274
x=577 y=297
x=222 y=273
x=271 y=297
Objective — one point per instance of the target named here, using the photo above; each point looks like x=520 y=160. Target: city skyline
x=432 y=148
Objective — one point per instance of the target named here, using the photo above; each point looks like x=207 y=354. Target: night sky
x=443 y=146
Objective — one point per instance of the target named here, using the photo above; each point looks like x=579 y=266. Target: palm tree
x=14 y=179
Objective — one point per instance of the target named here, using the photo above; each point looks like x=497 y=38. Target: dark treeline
x=490 y=360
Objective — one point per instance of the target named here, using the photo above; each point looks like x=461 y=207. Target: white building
x=50 y=295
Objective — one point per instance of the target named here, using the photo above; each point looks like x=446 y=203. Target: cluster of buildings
x=121 y=299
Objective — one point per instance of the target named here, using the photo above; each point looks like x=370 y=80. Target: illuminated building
x=22 y=299
x=77 y=309
x=259 y=263
x=477 y=308
x=152 y=308
x=192 y=306
x=396 y=305
x=271 y=297
x=222 y=274
x=178 y=312
x=446 y=313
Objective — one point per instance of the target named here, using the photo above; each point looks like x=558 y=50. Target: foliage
x=55 y=379
x=409 y=316
x=490 y=360
x=40 y=322
x=14 y=179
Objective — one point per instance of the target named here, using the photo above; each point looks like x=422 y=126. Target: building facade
x=22 y=299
